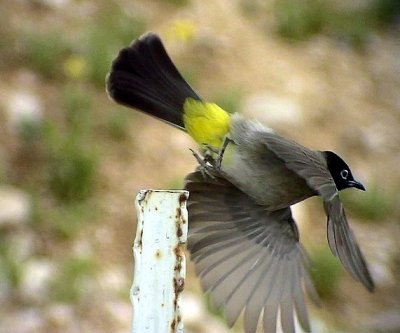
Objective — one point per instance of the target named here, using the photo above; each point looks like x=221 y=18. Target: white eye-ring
x=344 y=174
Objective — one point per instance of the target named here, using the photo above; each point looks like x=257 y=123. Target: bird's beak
x=356 y=184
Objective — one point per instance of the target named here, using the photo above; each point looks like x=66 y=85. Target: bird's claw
x=219 y=152
x=210 y=164
x=206 y=164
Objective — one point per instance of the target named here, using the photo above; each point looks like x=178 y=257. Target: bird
x=242 y=238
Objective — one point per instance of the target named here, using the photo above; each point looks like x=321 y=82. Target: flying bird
x=242 y=236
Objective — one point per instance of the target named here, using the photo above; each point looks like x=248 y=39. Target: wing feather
x=249 y=259
x=311 y=166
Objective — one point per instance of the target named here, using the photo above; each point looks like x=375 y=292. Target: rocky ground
x=71 y=162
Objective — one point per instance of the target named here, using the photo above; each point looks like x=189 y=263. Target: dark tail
x=144 y=77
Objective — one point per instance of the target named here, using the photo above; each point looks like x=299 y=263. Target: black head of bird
x=341 y=172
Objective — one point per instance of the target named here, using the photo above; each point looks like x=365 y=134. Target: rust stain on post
x=160 y=263
x=179 y=285
x=182 y=198
x=179 y=258
x=140 y=243
x=178 y=213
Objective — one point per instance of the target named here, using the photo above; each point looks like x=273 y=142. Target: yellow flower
x=75 y=67
x=183 y=29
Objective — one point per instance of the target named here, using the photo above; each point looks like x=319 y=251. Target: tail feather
x=144 y=77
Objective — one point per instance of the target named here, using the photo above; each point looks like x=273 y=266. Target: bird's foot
x=206 y=164
x=220 y=153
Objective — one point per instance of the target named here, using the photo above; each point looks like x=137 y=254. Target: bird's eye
x=344 y=174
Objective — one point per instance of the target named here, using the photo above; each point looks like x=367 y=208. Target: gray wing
x=311 y=166
x=343 y=244
x=307 y=163
x=249 y=259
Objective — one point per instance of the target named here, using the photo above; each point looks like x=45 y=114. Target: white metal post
x=160 y=263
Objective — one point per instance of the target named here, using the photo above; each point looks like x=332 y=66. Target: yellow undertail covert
x=206 y=123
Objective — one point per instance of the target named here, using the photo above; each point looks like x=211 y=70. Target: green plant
x=71 y=171
x=353 y=26
x=230 y=100
x=7 y=34
x=71 y=164
x=178 y=3
x=67 y=221
x=326 y=272
x=252 y=7
x=45 y=51
x=76 y=103
x=299 y=19
x=29 y=130
x=70 y=155
x=110 y=30
x=118 y=124
x=71 y=282
x=372 y=205
x=385 y=11
x=10 y=267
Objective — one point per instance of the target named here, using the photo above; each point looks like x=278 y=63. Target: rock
x=273 y=110
x=196 y=317
x=22 y=321
x=5 y=290
x=23 y=108
x=21 y=245
x=60 y=315
x=386 y=322
x=15 y=206
x=114 y=279
x=36 y=275
x=119 y=312
x=54 y=4
x=193 y=309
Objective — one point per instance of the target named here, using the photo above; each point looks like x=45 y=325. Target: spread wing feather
x=249 y=259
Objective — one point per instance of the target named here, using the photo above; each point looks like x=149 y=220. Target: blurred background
x=324 y=73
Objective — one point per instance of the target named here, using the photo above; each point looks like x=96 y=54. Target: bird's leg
x=206 y=168
x=209 y=163
x=216 y=162
x=221 y=152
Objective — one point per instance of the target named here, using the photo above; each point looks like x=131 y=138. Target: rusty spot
x=179 y=232
x=178 y=267
x=141 y=239
x=173 y=325
x=178 y=219
x=178 y=213
x=158 y=254
x=179 y=285
x=179 y=258
x=178 y=252
x=182 y=198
